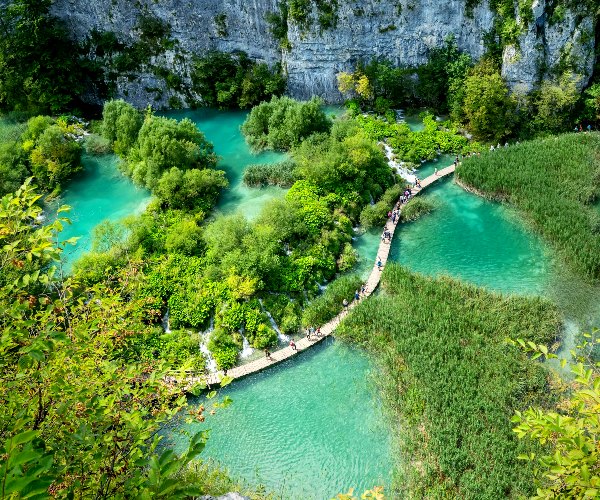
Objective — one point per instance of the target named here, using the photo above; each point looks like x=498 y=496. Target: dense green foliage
x=281 y=174
x=214 y=273
x=448 y=375
x=40 y=70
x=77 y=420
x=43 y=147
x=283 y=123
x=555 y=183
x=487 y=106
x=413 y=147
x=234 y=81
x=571 y=468
x=377 y=214
x=328 y=305
x=173 y=159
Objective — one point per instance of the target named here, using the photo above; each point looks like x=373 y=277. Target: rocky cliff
x=400 y=30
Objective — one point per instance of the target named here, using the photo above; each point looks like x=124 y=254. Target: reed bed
x=555 y=183
x=282 y=174
x=452 y=383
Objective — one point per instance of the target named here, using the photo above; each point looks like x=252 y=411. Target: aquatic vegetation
x=554 y=182
x=449 y=377
x=416 y=208
x=281 y=174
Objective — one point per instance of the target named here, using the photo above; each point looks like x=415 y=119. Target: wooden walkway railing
x=258 y=365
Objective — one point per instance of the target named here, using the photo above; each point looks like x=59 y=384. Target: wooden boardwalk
x=214 y=379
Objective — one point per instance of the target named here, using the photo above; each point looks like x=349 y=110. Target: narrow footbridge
x=214 y=379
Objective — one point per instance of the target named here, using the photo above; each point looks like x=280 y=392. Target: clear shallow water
x=489 y=245
x=307 y=429
x=101 y=192
x=222 y=128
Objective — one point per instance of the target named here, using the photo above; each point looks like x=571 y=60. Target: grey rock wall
x=400 y=30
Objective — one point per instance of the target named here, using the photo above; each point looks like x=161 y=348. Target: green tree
x=55 y=156
x=283 y=123
x=191 y=188
x=184 y=237
x=592 y=103
x=40 y=70
x=121 y=123
x=488 y=107
x=75 y=421
x=571 y=469
x=555 y=103
x=164 y=143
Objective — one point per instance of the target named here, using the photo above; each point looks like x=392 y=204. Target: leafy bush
x=223 y=348
x=97 y=145
x=283 y=123
x=54 y=154
x=448 y=375
x=121 y=123
x=191 y=188
x=164 y=143
x=554 y=182
x=184 y=237
x=374 y=215
x=281 y=174
x=328 y=305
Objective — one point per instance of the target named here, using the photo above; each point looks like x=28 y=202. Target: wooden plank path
x=214 y=379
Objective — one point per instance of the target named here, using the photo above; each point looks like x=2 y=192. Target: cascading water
x=400 y=168
x=247 y=349
x=283 y=338
x=211 y=364
x=165 y=322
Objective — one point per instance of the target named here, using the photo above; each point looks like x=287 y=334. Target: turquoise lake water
x=308 y=428
x=312 y=427
x=100 y=193
x=222 y=128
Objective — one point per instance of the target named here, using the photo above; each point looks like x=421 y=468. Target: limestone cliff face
x=400 y=30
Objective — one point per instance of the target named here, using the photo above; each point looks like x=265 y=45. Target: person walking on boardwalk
x=308 y=333
x=293 y=345
x=345 y=304
x=435 y=171
x=363 y=289
x=356 y=295
x=379 y=263
x=268 y=355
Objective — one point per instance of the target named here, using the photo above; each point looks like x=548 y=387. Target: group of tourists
x=580 y=128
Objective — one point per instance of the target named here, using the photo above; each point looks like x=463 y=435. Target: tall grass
x=452 y=382
x=554 y=182
x=282 y=174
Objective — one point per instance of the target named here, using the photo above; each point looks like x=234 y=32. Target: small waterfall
x=165 y=322
x=211 y=364
x=283 y=338
x=398 y=167
x=247 y=349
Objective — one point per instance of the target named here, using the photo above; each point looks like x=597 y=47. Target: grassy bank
x=452 y=383
x=554 y=182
